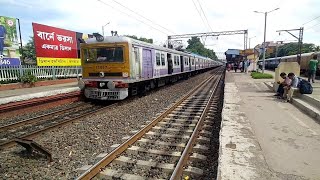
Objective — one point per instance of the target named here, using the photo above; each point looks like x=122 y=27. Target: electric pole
x=300 y=38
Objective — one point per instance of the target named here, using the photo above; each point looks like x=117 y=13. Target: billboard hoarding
x=56 y=46
x=54 y=42
x=42 y=61
x=10 y=61
x=9 y=42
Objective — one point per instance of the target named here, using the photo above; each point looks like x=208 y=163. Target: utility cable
x=311 y=20
x=133 y=17
x=143 y=16
x=204 y=14
x=199 y=14
x=311 y=27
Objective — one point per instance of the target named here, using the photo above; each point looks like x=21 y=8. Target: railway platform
x=263 y=137
x=18 y=95
x=308 y=103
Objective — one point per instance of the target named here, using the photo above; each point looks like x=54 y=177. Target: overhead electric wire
x=199 y=14
x=311 y=27
x=311 y=20
x=133 y=17
x=143 y=16
x=204 y=14
x=205 y=25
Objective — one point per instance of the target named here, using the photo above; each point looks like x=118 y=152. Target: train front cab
x=105 y=66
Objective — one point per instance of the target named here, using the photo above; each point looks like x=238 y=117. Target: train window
x=178 y=60
x=104 y=54
x=136 y=54
x=192 y=61
x=163 y=62
x=158 y=59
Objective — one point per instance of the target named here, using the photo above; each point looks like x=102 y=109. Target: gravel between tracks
x=78 y=144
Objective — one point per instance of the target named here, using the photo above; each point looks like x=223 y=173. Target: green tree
x=197 y=47
x=292 y=49
x=29 y=52
x=140 y=39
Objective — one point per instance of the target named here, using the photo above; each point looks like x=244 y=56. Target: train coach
x=273 y=63
x=115 y=67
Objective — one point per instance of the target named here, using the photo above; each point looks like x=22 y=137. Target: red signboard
x=51 y=42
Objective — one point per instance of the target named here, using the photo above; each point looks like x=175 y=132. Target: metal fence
x=8 y=73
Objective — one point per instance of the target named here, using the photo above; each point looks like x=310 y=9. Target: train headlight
x=102 y=84
x=111 y=85
x=81 y=84
x=125 y=74
x=101 y=74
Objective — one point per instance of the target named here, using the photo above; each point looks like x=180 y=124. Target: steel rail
x=96 y=168
x=32 y=102
x=178 y=171
x=34 y=119
x=10 y=143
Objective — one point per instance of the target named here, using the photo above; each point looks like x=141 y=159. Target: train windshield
x=103 y=54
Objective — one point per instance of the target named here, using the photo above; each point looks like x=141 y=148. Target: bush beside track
x=258 y=75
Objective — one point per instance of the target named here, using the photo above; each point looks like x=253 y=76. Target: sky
x=157 y=19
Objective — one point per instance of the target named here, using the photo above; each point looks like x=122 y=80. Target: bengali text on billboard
x=55 y=46
x=9 y=42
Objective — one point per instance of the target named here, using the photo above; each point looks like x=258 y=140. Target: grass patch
x=258 y=75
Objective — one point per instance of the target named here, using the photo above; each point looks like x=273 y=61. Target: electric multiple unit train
x=115 y=67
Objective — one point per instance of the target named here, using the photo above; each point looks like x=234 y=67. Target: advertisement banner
x=9 y=42
x=54 y=42
x=41 y=61
x=9 y=61
x=56 y=46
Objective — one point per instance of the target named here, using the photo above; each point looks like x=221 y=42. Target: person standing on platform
x=313 y=66
x=229 y=67
x=235 y=66
x=246 y=65
x=241 y=66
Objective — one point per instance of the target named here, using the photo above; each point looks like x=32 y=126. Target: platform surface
x=263 y=137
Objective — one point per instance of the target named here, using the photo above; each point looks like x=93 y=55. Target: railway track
x=172 y=146
x=28 y=128
x=71 y=97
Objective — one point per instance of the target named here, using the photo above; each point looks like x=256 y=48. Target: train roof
x=118 y=39
x=291 y=56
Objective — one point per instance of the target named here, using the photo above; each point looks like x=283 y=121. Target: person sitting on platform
x=286 y=81
x=289 y=89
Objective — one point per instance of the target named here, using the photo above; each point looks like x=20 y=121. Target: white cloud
x=180 y=16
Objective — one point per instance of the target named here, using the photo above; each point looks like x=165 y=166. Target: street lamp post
x=264 y=38
x=103 y=28
x=250 y=40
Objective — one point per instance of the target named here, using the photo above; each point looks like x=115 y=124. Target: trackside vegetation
x=258 y=75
